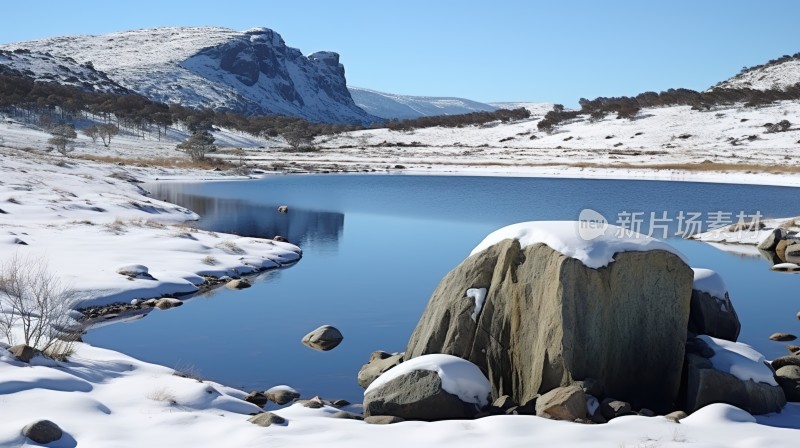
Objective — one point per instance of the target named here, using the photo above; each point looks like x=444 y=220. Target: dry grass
x=118 y=226
x=162 y=162
x=163 y=394
x=210 y=260
x=231 y=247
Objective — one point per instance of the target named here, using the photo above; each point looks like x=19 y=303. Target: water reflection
x=310 y=229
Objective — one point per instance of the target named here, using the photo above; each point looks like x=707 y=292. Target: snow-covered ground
x=88 y=220
x=391 y=105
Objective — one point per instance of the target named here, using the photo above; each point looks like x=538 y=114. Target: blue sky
x=555 y=51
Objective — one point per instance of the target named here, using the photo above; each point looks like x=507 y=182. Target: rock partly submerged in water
x=711 y=310
x=323 y=338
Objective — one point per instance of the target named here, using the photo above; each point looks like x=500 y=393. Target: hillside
x=389 y=105
x=251 y=72
x=44 y=67
x=776 y=74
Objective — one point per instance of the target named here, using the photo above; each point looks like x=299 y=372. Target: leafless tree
x=34 y=300
x=107 y=132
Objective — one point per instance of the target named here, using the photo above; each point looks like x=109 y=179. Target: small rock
x=785 y=267
x=676 y=416
x=314 y=403
x=504 y=402
x=135 y=271
x=347 y=415
x=611 y=408
x=257 y=398
x=563 y=403
x=383 y=419
x=340 y=403
x=379 y=362
x=280 y=239
x=793 y=349
x=266 y=419
x=42 y=431
x=281 y=396
x=798 y=315
x=782 y=361
x=782 y=337
x=283 y=209
x=22 y=352
x=323 y=338
x=167 y=303
x=237 y=284
x=644 y=412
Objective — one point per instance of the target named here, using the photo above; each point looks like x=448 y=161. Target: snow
x=459 y=376
x=568 y=238
x=281 y=388
x=740 y=360
x=710 y=282
x=478 y=295
x=389 y=105
x=770 y=76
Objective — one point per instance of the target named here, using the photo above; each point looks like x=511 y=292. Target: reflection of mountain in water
x=307 y=228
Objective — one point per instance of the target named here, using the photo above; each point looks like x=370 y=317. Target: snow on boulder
x=559 y=308
x=735 y=374
x=135 y=271
x=712 y=311
x=431 y=387
x=595 y=249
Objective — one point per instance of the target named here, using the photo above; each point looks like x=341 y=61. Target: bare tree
x=62 y=138
x=36 y=303
x=197 y=145
x=106 y=132
x=93 y=132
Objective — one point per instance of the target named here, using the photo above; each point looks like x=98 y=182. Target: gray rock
x=257 y=398
x=504 y=402
x=706 y=385
x=548 y=320
x=314 y=403
x=22 y=352
x=644 y=412
x=347 y=416
x=281 y=397
x=266 y=419
x=377 y=365
x=793 y=349
x=237 y=284
x=782 y=361
x=676 y=416
x=340 y=403
x=771 y=241
x=417 y=395
x=783 y=337
x=713 y=316
x=788 y=377
x=323 y=338
x=168 y=303
x=383 y=419
x=563 y=403
x=42 y=431
x=611 y=408
x=280 y=239
x=283 y=209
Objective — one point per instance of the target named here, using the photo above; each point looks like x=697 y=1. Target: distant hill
x=251 y=72
x=775 y=74
x=389 y=105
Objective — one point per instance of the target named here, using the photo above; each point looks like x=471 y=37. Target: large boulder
x=431 y=388
x=711 y=311
x=323 y=338
x=736 y=374
x=548 y=320
x=42 y=431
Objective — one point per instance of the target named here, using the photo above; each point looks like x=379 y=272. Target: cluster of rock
x=782 y=247
x=558 y=339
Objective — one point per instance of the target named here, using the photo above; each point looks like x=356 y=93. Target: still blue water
x=376 y=246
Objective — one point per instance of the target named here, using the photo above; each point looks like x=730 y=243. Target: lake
x=376 y=246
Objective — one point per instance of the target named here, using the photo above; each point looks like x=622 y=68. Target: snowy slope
x=389 y=105
x=251 y=71
x=44 y=67
x=776 y=74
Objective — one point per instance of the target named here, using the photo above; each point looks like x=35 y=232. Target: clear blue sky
x=555 y=51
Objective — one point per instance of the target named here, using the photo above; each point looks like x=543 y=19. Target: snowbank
x=710 y=282
x=594 y=248
x=740 y=360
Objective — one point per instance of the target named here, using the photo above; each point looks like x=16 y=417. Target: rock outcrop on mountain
x=390 y=105
x=251 y=72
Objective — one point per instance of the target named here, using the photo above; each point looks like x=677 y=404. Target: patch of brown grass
x=162 y=162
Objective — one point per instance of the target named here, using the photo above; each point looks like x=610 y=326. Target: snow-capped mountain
x=44 y=67
x=252 y=71
x=389 y=105
x=776 y=74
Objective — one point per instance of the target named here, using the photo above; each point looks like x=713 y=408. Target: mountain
x=389 y=105
x=775 y=74
x=44 y=67
x=251 y=72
